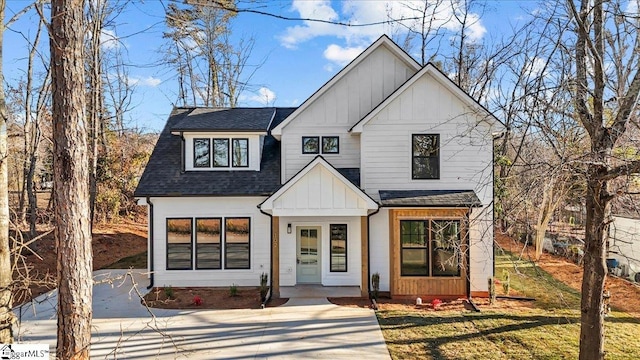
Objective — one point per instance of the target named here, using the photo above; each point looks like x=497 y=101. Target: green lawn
x=138 y=261
x=549 y=331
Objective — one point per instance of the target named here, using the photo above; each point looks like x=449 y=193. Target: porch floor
x=318 y=291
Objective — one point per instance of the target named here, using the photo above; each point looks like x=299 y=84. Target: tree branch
x=628 y=168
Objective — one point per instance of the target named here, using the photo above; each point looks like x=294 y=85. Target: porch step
x=318 y=291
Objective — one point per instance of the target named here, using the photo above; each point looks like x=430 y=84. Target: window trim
x=208 y=164
x=166 y=228
x=233 y=140
x=213 y=156
x=413 y=157
x=462 y=237
x=346 y=249
x=337 y=145
x=195 y=249
x=226 y=267
x=311 y=152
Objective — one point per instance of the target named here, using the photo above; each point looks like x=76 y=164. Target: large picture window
x=237 y=237
x=220 y=152
x=179 y=244
x=201 y=153
x=338 y=260
x=430 y=247
x=425 y=156
x=208 y=243
x=240 y=152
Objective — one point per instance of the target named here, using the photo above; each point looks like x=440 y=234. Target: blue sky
x=297 y=57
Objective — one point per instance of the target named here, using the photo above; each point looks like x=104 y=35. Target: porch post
x=364 y=255
x=275 y=257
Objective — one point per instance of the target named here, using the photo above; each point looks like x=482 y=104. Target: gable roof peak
x=383 y=40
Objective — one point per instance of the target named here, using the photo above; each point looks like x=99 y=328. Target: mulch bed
x=207 y=298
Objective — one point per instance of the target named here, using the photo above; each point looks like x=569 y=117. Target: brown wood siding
x=364 y=255
x=425 y=286
x=275 y=251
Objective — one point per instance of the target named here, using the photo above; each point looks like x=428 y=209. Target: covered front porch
x=320 y=231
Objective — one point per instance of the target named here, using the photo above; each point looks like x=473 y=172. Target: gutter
x=269 y=294
x=182 y=150
x=369 y=250
x=151 y=240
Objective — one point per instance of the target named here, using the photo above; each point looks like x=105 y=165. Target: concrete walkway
x=124 y=329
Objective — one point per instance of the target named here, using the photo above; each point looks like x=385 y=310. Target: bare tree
x=71 y=193
x=6 y=316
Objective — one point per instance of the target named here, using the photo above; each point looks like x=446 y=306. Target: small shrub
x=435 y=303
x=492 y=291
x=506 y=284
x=197 y=300
x=233 y=290
x=168 y=292
x=264 y=288
x=375 y=285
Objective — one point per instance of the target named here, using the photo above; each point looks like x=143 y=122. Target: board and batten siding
x=354 y=95
x=466 y=151
x=197 y=207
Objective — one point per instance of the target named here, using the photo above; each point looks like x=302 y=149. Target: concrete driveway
x=124 y=329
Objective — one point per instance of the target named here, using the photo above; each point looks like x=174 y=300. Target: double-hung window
x=425 y=156
x=338 y=238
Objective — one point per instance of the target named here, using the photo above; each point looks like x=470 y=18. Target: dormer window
x=201 y=153
x=240 y=152
x=220 y=152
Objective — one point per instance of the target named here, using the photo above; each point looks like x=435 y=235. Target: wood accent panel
x=275 y=251
x=425 y=286
x=364 y=255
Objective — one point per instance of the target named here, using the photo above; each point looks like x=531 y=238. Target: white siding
x=260 y=240
x=340 y=107
x=624 y=242
x=255 y=150
x=319 y=193
x=427 y=107
x=466 y=151
x=379 y=247
x=288 y=250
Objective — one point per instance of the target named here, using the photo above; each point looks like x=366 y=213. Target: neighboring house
x=624 y=245
x=387 y=168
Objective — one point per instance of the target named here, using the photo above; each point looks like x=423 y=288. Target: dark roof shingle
x=430 y=198
x=226 y=119
x=163 y=175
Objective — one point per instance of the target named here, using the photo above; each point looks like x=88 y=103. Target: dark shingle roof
x=352 y=174
x=163 y=174
x=226 y=119
x=430 y=198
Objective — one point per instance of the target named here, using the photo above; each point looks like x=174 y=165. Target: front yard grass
x=549 y=330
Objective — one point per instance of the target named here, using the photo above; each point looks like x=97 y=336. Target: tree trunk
x=595 y=268
x=71 y=193
x=6 y=316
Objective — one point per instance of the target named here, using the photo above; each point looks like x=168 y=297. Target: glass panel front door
x=308 y=255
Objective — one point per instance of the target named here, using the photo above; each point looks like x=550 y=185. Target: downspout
x=182 y=150
x=151 y=240
x=369 y=250
x=270 y=256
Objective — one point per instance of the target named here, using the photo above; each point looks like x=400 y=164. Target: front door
x=308 y=255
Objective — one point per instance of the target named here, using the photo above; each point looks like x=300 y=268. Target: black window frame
x=317 y=138
x=226 y=244
x=233 y=147
x=428 y=158
x=195 y=236
x=213 y=155
x=346 y=247
x=337 y=144
x=167 y=243
x=208 y=164
x=430 y=248
x=425 y=248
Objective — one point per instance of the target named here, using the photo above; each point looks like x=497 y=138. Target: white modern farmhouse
x=387 y=168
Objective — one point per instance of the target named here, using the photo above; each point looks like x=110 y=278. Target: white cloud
x=370 y=11
x=342 y=55
x=265 y=96
x=109 y=39
x=150 y=81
